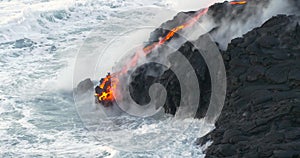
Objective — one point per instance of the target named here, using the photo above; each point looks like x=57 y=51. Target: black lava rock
x=84 y=86
x=261 y=114
x=142 y=80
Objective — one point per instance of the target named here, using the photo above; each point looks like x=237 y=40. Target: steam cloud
x=226 y=22
x=235 y=24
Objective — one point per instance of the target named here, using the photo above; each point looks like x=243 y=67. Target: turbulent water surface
x=38 y=39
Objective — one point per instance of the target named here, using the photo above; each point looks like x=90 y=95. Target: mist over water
x=38 y=45
x=39 y=41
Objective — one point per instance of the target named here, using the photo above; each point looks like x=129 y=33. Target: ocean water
x=39 y=41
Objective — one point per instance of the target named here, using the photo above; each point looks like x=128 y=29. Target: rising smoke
x=225 y=22
x=234 y=24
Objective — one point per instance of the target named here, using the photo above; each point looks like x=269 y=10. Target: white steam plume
x=254 y=15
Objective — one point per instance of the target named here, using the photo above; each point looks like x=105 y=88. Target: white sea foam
x=38 y=42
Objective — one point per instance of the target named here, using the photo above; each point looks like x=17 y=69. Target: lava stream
x=106 y=90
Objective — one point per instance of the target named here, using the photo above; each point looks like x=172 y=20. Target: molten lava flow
x=238 y=2
x=149 y=48
x=106 y=90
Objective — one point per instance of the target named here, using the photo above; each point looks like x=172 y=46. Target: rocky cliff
x=261 y=116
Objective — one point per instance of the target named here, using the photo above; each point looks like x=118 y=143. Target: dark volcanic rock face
x=148 y=74
x=173 y=86
x=261 y=117
x=84 y=86
x=142 y=79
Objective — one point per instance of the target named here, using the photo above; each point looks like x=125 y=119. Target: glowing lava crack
x=105 y=91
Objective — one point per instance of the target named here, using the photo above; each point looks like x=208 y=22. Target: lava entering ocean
x=105 y=91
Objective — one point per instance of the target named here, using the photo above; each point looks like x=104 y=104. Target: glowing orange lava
x=237 y=2
x=107 y=87
x=108 y=84
x=172 y=32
